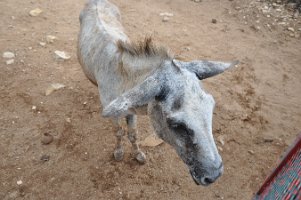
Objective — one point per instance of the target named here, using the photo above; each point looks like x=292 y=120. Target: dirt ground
x=257 y=115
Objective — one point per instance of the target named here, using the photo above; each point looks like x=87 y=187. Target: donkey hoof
x=140 y=157
x=118 y=154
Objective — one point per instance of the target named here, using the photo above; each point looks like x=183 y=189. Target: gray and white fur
x=145 y=79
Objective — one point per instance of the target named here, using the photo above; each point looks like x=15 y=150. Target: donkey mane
x=145 y=48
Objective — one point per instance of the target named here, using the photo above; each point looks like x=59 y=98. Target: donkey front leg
x=119 y=130
x=131 y=121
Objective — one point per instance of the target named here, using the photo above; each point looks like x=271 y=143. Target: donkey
x=142 y=78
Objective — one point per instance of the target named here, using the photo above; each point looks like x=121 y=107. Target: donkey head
x=180 y=111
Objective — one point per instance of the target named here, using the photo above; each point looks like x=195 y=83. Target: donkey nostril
x=208 y=180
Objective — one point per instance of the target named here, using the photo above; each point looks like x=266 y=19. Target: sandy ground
x=258 y=112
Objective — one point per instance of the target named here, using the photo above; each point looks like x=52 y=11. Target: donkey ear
x=138 y=96
x=205 y=69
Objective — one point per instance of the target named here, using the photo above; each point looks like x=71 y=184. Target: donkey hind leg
x=131 y=121
x=120 y=132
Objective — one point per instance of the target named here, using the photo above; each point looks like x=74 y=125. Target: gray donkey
x=145 y=79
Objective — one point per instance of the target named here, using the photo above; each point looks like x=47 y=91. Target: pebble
x=19 y=182
x=187 y=48
x=251 y=152
x=221 y=139
x=62 y=55
x=33 y=107
x=165 y=19
x=45 y=158
x=50 y=38
x=214 y=21
x=255 y=28
x=291 y=29
x=299 y=29
x=10 y=61
x=166 y=14
x=47 y=138
x=275 y=5
x=267 y=140
x=42 y=44
x=35 y=12
x=53 y=87
x=8 y=54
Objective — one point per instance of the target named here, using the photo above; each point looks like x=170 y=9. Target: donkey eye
x=181 y=129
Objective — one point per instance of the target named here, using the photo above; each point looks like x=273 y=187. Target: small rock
x=275 y=5
x=278 y=10
x=214 y=21
x=237 y=8
x=166 y=14
x=68 y=120
x=151 y=141
x=33 y=107
x=19 y=182
x=45 y=158
x=53 y=87
x=30 y=48
x=267 y=140
x=291 y=29
x=42 y=44
x=197 y=1
x=299 y=29
x=187 y=48
x=35 y=12
x=47 y=138
x=268 y=16
x=62 y=55
x=251 y=152
x=255 y=28
x=221 y=139
x=50 y=38
x=165 y=19
x=8 y=54
x=10 y=61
